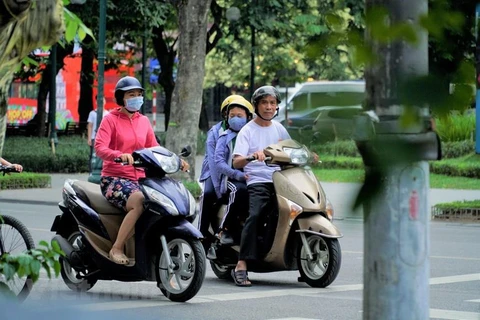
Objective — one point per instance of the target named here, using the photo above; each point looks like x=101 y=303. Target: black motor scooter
x=164 y=247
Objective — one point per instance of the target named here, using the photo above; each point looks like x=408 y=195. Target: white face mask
x=134 y=104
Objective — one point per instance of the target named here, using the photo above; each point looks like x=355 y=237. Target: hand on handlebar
x=259 y=155
x=17 y=167
x=184 y=166
x=7 y=169
x=127 y=158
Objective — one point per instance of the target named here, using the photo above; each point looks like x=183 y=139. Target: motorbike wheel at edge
x=15 y=238
x=221 y=271
x=69 y=275
x=322 y=270
x=189 y=267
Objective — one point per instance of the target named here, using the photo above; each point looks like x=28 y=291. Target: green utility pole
x=477 y=98
x=97 y=162
x=52 y=101
x=252 y=60
x=396 y=229
x=144 y=63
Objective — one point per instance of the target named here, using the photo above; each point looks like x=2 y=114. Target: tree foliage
x=29 y=264
x=33 y=25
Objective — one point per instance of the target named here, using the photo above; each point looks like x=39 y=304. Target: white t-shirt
x=254 y=138
x=92 y=118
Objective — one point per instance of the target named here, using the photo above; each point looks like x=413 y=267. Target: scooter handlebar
x=252 y=158
x=119 y=160
x=8 y=169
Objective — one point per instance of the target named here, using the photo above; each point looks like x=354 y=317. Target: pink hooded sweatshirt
x=120 y=134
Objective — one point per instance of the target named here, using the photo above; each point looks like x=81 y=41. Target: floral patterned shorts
x=118 y=190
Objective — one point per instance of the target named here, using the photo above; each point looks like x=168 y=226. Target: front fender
x=184 y=228
x=319 y=225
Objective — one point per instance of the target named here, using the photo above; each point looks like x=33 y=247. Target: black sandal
x=240 y=277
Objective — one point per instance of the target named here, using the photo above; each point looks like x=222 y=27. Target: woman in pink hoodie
x=121 y=132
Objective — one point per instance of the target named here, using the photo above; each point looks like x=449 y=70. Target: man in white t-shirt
x=251 y=140
x=92 y=129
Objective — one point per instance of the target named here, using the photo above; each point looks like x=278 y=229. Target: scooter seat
x=90 y=193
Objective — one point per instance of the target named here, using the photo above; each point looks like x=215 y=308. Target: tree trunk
x=203 y=124
x=166 y=58
x=34 y=27
x=187 y=95
x=44 y=89
x=85 y=103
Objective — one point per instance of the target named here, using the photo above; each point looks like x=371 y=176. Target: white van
x=323 y=105
x=316 y=94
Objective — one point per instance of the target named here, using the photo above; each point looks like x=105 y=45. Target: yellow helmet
x=228 y=100
x=242 y=102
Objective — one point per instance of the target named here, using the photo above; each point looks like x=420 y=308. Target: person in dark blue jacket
x=209 y=198
x=230 y=181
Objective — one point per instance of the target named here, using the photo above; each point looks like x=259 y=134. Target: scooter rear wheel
x=221 y=271
x=322 y=270
x=70 y=276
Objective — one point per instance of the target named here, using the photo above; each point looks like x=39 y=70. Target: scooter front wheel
x=323 y=266
x=182 y=279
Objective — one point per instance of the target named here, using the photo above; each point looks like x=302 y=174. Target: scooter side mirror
x=186 y=151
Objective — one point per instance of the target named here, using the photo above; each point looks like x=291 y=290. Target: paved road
x=454 y=289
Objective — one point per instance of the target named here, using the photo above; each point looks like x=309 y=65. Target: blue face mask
x=134 y=104
x=236 y=123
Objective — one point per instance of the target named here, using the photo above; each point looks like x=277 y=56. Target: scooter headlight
x=297 y=155
x=163 y=200
x=169 y=164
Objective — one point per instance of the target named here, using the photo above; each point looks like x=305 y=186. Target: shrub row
x=456 y=169
x=26 y=180
x=459 y=205
x=348 y=148
x=447 y=167
x=457 y=149
x=35 y=154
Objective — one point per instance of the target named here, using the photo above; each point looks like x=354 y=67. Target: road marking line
x=293 y=319
x=455 y=279
x=477 y=300
x=43 y=230
x=431 y=257
x=459 y=258
x=453 y=315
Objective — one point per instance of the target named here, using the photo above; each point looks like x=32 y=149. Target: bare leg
x=135 y=208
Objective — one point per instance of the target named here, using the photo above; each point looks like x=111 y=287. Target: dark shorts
x=118 y=190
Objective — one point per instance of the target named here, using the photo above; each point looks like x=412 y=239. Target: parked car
x=326 y=107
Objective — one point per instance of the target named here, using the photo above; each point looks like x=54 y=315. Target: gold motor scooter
x=298 y=234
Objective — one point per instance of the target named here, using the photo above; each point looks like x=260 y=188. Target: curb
x=33 y=202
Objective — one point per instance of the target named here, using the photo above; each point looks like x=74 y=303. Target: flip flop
x=118 y=258
x=240 y=277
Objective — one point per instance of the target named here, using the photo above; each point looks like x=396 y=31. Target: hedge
x=25 y=180
x=35 y=154
x=459 y=205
